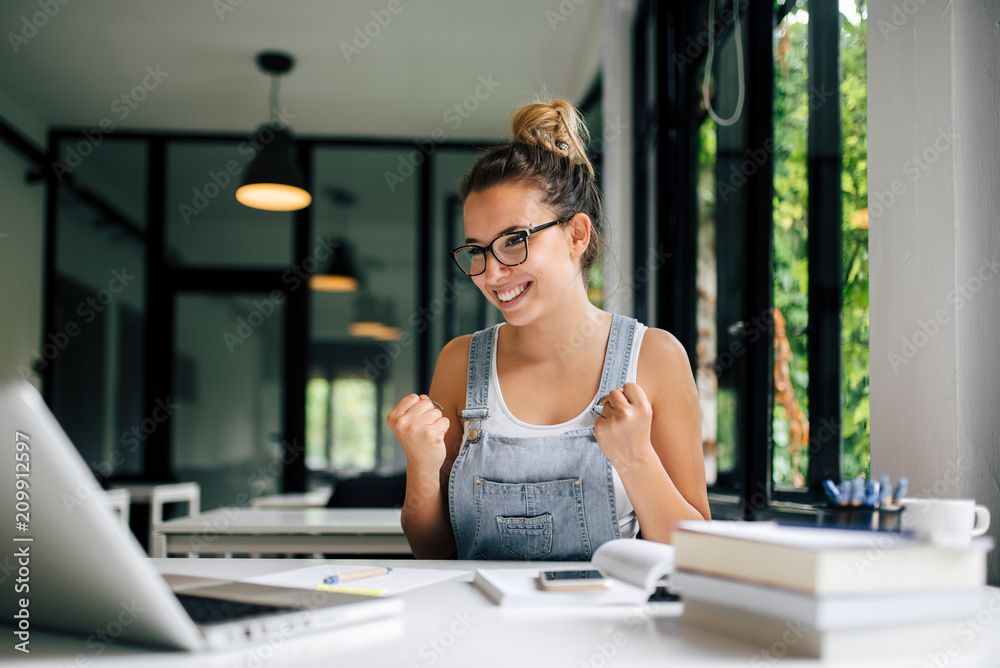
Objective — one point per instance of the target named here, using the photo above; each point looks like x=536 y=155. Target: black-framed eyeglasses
x=513 y=250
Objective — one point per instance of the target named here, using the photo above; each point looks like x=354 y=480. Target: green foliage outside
x=354 y=415
x=791 y=234
x=341 y=413
x=791 y=227
x=854 y=128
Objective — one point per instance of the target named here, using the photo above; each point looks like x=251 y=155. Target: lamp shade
x=339 y=275
x=274 y=182
x=374 y=319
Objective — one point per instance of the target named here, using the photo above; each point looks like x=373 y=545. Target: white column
x=934 y=238
x=616 y=136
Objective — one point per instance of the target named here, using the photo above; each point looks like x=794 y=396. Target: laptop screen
x=67 y=557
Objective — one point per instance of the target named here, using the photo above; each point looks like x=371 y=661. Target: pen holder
x=887 y=518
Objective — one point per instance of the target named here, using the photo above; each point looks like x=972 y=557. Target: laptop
x=75 y=567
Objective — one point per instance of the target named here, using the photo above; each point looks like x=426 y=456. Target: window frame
x=666 y=39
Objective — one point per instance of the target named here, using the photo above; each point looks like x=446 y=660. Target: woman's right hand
x=420 y=427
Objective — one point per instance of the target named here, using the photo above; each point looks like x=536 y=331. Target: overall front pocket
x=537 y=520
x=526 y=537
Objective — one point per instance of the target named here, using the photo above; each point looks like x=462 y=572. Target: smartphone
x=573 y=580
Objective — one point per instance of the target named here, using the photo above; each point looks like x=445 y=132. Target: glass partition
x=228 y=381
x=95 y=347
x=363 y=341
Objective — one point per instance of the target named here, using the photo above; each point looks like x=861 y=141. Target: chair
x=369 y=491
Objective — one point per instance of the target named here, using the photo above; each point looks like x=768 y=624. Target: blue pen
x=901 y=488
x=830 y=487
x=871 y=494
x=885 y=491
x=356 y=575
x=858 y=493
x=846 y=492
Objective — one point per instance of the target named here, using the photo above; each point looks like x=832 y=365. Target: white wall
x=22 y=218
x=933 y=170
x=977 y=198
x=616 y=87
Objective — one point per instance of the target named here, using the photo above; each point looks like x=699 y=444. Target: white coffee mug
x=945 y=522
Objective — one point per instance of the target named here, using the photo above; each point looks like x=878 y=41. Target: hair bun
x=557 y=127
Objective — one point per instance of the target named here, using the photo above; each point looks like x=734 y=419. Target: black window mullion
x=675 y=182
x=756 y=386
x=296 y=349
x=824 y=248
x=160 y=317
x=49 y=289
x=425 y=222
x=641 y=146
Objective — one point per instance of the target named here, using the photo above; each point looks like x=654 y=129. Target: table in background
x=316 y=498
x=119 y=500
x=260 y=531
x=158 y=495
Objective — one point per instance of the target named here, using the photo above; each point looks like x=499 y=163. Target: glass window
x=854 y=121
x=721 y=332
x=736 y=447
x=790 y=408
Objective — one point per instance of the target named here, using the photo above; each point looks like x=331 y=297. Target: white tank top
x=503 y=422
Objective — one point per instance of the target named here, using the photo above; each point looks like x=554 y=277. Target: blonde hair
x=548 y=151
x=557 y=127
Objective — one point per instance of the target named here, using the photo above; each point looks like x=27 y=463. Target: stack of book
x=829 y=593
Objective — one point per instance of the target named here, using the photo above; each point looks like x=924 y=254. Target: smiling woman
x=566 y=426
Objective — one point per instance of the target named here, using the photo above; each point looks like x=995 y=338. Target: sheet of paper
x=397 y=581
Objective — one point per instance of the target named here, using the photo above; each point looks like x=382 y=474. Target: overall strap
x=617 y=358
x=477 y=393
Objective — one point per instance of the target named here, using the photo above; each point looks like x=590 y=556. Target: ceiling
x=401 y=79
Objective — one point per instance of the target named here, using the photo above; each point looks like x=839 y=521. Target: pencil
x=356 y=575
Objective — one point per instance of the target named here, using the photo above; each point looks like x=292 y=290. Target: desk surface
x=453 y=624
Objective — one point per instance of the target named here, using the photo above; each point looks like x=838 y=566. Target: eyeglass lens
x=509 y=249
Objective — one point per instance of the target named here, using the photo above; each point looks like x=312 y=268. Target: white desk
x=339 y=531
x=158 y=495
x=452 y=624
x=316 y=498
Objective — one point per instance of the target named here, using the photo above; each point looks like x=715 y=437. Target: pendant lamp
x=274 y=181
x=375 y=319
x=340 y=273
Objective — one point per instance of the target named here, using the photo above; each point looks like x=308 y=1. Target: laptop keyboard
x=216 y=611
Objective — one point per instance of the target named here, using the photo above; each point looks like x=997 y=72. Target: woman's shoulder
x=660 y=342
x=456 y=351
x=448 y=384
x=662 y=358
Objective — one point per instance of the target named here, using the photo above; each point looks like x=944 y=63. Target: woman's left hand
x=623 y=428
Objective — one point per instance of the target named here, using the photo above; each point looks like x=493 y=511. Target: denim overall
x=526 y=498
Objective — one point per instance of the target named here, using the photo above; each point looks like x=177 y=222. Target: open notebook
x=82 y=571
